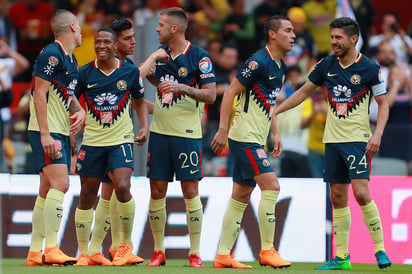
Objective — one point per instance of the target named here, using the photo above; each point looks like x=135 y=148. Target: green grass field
x=17 y=266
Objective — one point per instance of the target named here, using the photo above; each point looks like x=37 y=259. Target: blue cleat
x=383 y=260
x=337 y=264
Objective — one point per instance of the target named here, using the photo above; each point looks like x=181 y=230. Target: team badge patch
x=106 y=117
x=341 y=109
x=380 y=76
x=266 y=162
x=141 y=81
x=53 y=61
x=121 y=85
x=81 y=155
x=78 y=166
x=182 y=72
x=205 y=65
x=253 y=65
x=355 y=79
x=261 y=153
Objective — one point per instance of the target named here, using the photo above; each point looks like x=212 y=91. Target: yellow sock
x=341 y=226
x=231 y=226
x=126 y=215
x=101 y=226
x=157 y=220
x=37 y=231
x=53 y=213
x=116 y=230
x=194 y=217
x=83 y=220
x=267 y=218
x=372 y=220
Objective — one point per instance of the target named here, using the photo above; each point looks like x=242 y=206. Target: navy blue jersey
x=349 y=93
x=59 y=68
x=176 y=114
x=263 y=78
x=108 y=101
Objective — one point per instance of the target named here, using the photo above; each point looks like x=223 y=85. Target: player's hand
x=219 y=141
x=77 y=120
x=277 y=146
x=161 y=54
x=49 y=145
x=169 y=87
x=373 y=145
x=141 y=136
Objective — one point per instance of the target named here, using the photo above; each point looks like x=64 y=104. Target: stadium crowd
x=230 y=31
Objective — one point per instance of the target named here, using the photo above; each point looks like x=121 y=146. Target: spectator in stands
x=314 y=118
x=365 y=15
x=225 y=70
x=238 y=28
x=304 y=50
x=7 y=30
x=12 y=63
x=31 y=19
x=294 y=160
x=395 y=35
x=213 y=48
x=319 y=14
x=150 y=10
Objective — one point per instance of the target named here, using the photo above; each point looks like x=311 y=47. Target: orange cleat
x=195 y=261
x=83 y=260
x=158 y=259
x=272 y=258
x=99 y=259
x=34 y=258
x=122 y=254
x=227 y=261
x=133 y=259
x=112 y=253
x=54 y=256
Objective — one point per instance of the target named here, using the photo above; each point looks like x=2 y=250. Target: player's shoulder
x=366 y=61
x=52 y=50
x=127 y=66
x=87 y=67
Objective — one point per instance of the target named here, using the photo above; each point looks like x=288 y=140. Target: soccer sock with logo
x=53 y=213
x=194 y=217
x=157 y=220
x=116 y=230
x=341 y=226
x=37 y=234
x=231 y=226
x=101 y=226
x=126 y=214
x=83 y=220
x=372 y=220
x=267 y=218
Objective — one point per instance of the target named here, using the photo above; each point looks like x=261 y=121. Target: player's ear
x=72 y=28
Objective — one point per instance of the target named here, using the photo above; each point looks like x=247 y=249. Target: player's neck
x=275 y=53
x=121 y=56
x=177 y=45
x=107 y=65
x=67 y=44
x=349 y=58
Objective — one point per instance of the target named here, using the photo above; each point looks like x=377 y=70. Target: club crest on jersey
x=53 y=61
x=182 y=72
x=380 y=76
x=253 y=65
x=266 y=162
x=205 y=65
x=355 y=79
x=121 y=85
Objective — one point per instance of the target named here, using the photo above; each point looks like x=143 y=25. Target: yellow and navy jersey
x=349 y=93
x=263 y=78
x=176 y=114
x=108 y=102
x=56 y=66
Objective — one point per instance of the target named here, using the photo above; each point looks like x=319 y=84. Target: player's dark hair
x=178 y=13
x=119 y=25
x=293 y=68
x=349 y=25
x=273 y=23
x=108 y=30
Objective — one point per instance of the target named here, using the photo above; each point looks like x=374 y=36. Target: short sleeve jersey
x=59 y=68
x=263 y=78
x=349 y=93
x=176 y=114
x=108 y=100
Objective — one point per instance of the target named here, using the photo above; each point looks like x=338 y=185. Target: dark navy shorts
x=96 y=162
x=171 y=155
x=42 y=160
x=250 y=160
x=346 y=161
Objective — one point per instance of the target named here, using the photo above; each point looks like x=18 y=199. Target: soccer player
x=110 y=87
x=257 y=83
x=52 y=108
x=351 y=79
x=184 y=84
